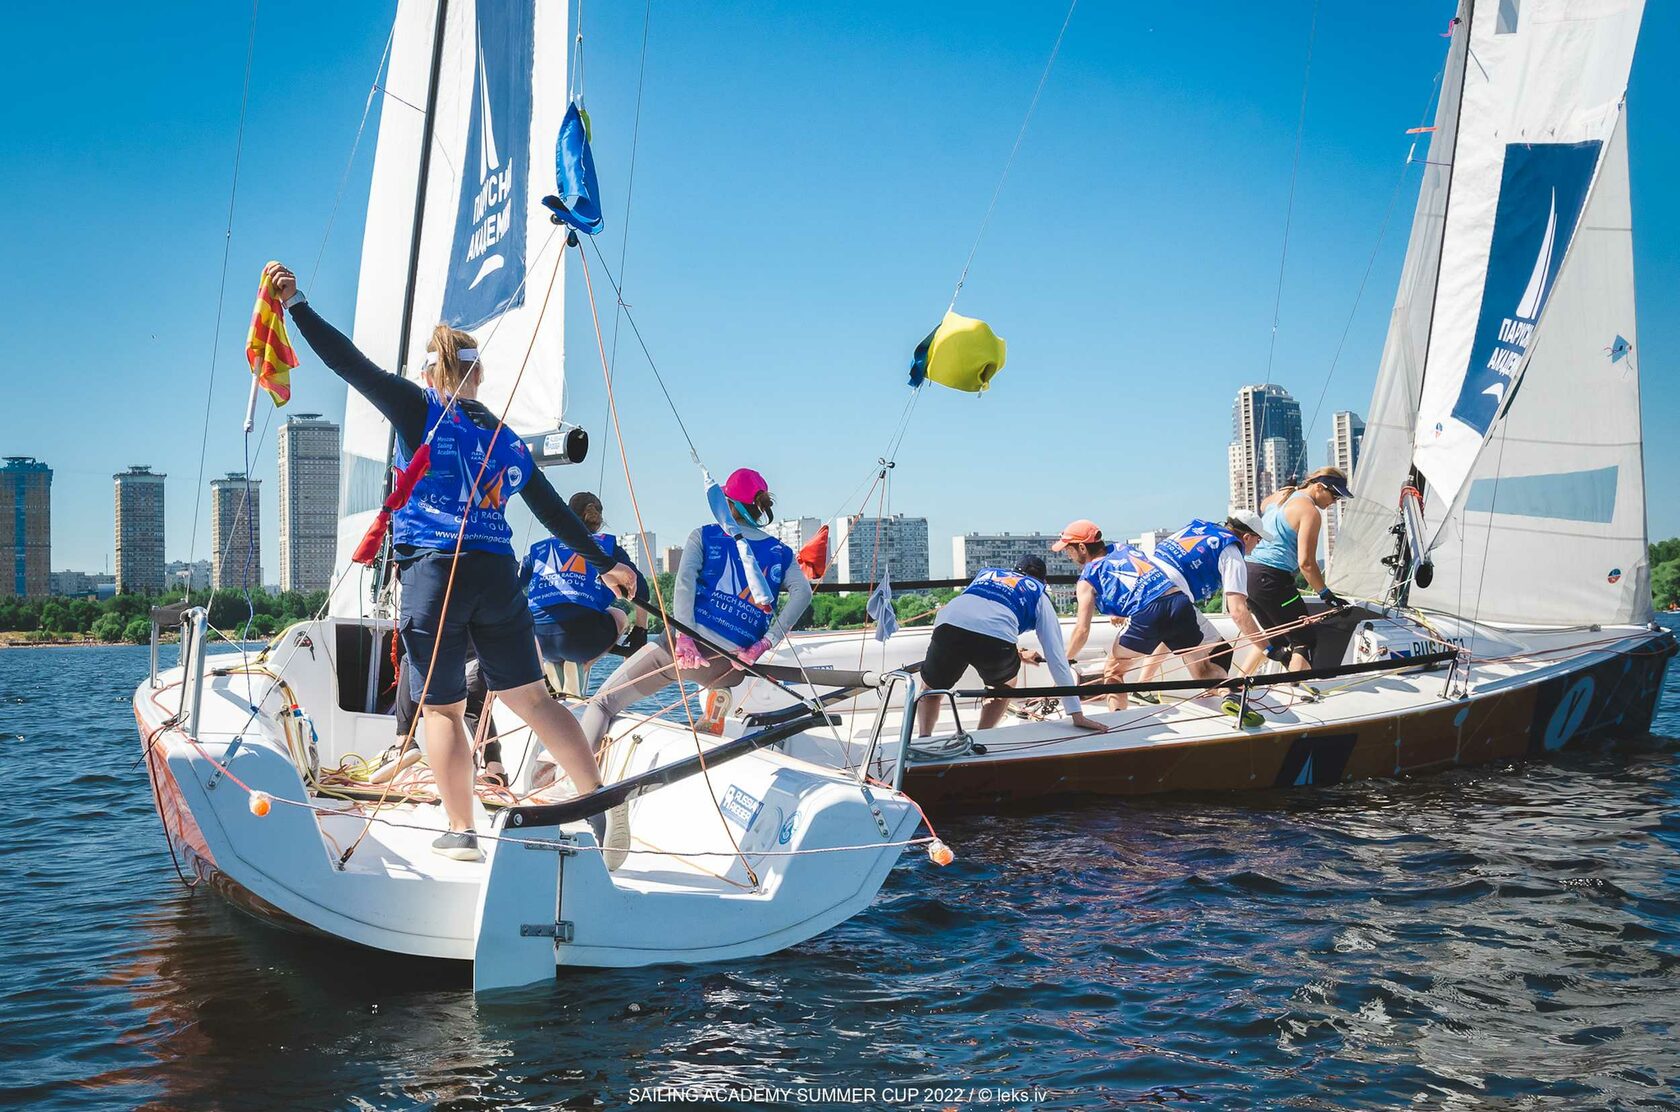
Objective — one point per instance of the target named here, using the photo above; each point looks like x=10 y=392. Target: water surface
x=1506 y=937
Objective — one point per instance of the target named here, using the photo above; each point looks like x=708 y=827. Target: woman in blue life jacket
x=1122 y=582
x=979 y=629
x=716 y=593
x=486 y=606
x=1293 y=517
x=572 y=609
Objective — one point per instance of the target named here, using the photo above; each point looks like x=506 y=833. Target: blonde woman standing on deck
x=1292 y=517
x=452 y=538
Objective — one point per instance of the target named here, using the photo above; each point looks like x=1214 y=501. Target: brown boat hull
x=1608 y=699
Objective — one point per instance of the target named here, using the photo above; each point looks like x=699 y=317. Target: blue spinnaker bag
x=574 y=174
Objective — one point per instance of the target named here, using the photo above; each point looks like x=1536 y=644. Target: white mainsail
x=1523 y=416
x=488 y=256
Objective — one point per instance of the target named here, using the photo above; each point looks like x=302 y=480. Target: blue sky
x=809 y=180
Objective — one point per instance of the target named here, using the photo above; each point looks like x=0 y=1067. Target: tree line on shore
x=127 y=617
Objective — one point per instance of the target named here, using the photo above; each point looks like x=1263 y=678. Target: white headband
x=463 y=355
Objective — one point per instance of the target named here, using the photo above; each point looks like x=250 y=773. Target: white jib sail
x=1550 y=527
x=488 y=256
x=1542 y=92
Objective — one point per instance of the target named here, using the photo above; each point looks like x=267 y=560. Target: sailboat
x=1496 y=543
x=253 y=756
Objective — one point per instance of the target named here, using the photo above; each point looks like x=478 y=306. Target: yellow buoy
x=962 y=353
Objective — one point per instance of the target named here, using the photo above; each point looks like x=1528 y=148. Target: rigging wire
x=1289 y=208
x=221 y=289
x=629 y=197
x=1015 y=149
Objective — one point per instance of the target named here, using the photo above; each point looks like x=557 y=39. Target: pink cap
x=744 y=485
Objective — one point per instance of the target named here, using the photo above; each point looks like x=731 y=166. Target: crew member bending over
x=1292 y=516
x=979 y=628
x=714 y=595
x=573 y=610
x=452 y=522
x=1122 y=582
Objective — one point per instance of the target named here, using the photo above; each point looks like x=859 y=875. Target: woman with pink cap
x=727 y=583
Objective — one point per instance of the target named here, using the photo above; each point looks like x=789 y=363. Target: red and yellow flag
x=268 y=349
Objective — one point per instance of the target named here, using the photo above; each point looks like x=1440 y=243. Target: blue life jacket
x=1194 y=553
x=722 y=601
x=1283 y=551
x=560 y=577
x=1125 y=580
x=1019 y=593
x=431 y=518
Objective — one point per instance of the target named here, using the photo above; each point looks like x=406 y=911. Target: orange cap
x=1080 y=532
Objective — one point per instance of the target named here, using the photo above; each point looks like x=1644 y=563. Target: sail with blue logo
x=1509 y=379
x=487 y=256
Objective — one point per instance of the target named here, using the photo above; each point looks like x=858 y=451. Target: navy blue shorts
x=486 y=610
x=1169 y=620
x=582 y=637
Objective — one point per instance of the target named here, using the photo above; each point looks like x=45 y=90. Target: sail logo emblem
x=1543 y=188
x=1615 y=575
x=487 y=255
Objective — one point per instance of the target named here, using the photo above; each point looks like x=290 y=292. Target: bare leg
x=927 y=714
x=557 y=730
x=991 y=711
x=1120 y=662
x=449 y=752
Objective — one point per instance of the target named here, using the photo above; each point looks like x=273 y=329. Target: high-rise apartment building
x=896 y=546
x=25 y=527
x=640 y=555
x=139 y=529
x=236 y=532
x=672 y=560
x=1267 y=450
x=973 y=551
x=308 y=445
x=1347 y=433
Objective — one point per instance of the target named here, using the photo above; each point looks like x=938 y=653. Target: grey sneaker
x=461 y=845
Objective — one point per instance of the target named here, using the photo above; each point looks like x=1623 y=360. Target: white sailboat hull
x=812 y=851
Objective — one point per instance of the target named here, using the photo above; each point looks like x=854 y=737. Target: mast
x=417 y=228
x=1409 y=558
x=383 y=569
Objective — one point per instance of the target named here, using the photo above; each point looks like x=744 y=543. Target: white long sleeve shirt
x=990 y=618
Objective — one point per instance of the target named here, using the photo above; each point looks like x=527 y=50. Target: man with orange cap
x=1122 y=581
x=726 y=589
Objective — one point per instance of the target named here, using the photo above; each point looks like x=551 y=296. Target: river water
x=1506 y=937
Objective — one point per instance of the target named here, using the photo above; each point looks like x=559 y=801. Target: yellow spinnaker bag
x=962 y=353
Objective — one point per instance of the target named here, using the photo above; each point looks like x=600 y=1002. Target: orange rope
x=658 y=594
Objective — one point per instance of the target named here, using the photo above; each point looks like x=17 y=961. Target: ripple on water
x=1508 y=937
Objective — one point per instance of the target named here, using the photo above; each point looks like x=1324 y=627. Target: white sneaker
x=616 y=846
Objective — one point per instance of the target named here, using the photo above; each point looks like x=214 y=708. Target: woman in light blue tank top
x=1293 y=519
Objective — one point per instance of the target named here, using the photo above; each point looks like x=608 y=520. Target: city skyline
x=1086 y=322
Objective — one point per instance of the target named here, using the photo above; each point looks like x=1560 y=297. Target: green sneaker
x=1250 y=718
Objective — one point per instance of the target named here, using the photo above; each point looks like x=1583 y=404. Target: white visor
x=465 y=355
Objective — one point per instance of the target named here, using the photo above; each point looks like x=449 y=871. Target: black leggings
x=1276 y=601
